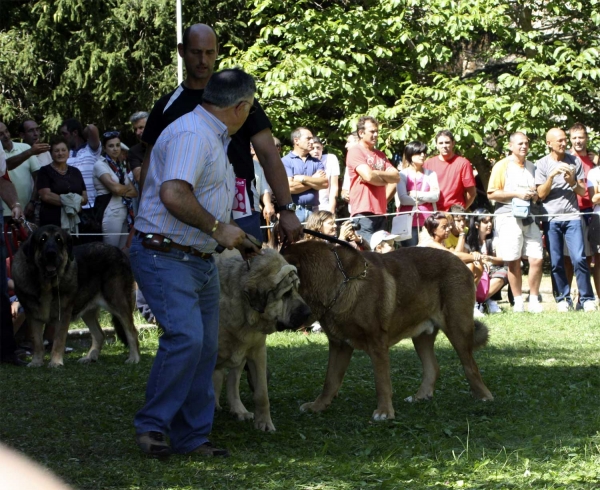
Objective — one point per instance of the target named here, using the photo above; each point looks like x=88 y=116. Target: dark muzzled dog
x=371 y=301
x=57 y=283
x=255 y=302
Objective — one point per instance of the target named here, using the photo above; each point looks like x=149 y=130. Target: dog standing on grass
x=258 y=298
x=370 y=301
x=57 y=283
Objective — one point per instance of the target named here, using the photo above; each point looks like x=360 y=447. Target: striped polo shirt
x=193 y=148
x=84 y=160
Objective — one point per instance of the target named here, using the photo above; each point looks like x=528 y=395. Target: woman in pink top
x=418 y=189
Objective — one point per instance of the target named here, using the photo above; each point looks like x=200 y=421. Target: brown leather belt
x=154 y=241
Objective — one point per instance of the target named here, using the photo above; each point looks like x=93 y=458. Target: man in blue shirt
x=306 y=174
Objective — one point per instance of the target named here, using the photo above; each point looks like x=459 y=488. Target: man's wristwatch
x=286 y=207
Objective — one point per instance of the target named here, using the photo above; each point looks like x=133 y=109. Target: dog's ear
x=256 y=299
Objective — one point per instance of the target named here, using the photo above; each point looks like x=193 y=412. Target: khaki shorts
x=515 y=240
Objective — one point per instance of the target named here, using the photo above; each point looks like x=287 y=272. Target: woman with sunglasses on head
x=114 y=192
x=482 y=238
x=418 y=189
x=61 y=187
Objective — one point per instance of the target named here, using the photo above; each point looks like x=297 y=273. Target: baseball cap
x=382 y=236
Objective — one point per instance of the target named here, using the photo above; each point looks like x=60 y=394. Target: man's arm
x=544 y=189
x=269 y=158
x=469 y=196
x=92 y=136
x=16 y=160
x=178 y=198
x=316 y=182
x=8 y=193
x=144 y=168
x=378 y=177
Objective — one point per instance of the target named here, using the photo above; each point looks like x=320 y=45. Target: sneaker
x=154 y=444
x=535 y=307
x=477 y=313
x=518 y=307
x=492 y=307
x=207 y=449
x=589 y=306
x=316 y=328
x=563 y=307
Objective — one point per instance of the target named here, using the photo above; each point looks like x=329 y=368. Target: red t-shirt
x=364 y=197
x=454 y=177
x=587 y=163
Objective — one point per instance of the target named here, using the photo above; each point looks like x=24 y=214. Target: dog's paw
x=312 y=407
x=133 y=359
x=381 y=415
x=416 y=399
x=243 y=415
x=35 y=364
x=86 y=360
x=266 y=425
x=54 y=364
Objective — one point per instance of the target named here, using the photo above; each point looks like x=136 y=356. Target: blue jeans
x=369 y=224
x=183 y=294
x=570 y=231
x=303 y=213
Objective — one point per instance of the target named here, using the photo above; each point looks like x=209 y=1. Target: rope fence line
x=417 y=211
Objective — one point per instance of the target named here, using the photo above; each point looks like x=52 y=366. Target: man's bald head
x=555 y=133
x=204 y=31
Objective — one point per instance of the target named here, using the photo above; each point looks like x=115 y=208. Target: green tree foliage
x=482 y=68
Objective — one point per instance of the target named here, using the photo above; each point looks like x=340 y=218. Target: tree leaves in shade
x=482 y=68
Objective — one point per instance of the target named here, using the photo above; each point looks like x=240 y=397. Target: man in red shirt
x=454 y=173
x=579 y=139
x=370 y=174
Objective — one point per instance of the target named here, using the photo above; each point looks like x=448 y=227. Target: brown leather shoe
x=208 y=449
x=154 y=444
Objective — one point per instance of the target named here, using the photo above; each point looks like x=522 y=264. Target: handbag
x=483 y=287
x=91 y=217
x=520 y=208
x=402 y=225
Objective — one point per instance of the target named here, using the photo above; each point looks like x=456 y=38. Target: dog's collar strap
x=347 y=279
x=328 y=238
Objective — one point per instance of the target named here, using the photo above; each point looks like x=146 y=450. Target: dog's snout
x=300 y=315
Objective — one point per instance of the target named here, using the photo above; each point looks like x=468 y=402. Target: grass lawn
x=542 y=431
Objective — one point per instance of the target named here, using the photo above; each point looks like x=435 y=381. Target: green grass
x=540 y=432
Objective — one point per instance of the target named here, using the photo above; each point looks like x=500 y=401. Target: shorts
x=515 y=240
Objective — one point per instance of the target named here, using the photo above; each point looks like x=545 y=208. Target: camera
x=355 y=225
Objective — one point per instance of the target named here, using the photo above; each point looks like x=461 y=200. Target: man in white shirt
x=30 y=133
x=327 y=197
x=22 y=165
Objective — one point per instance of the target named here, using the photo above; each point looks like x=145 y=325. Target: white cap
x=382 y=236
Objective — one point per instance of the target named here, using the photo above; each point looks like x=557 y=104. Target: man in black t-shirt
x=199 y=52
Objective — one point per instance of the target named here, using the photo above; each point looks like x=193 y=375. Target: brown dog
x=57 y=283
x=371 y=301
x=256 y=300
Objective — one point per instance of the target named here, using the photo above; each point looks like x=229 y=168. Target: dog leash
x=329 y=238
x=347 y=279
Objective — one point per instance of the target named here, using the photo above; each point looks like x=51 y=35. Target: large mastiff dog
x=371 y=301
x=256 y=299
x=57 y=283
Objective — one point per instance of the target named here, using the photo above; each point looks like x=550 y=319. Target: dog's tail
x=120 y=330
x=480 y=335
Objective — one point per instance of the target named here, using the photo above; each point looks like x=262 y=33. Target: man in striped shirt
x=184 y=215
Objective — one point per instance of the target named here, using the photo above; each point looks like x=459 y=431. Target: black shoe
x=14 y=360
x=154 y=444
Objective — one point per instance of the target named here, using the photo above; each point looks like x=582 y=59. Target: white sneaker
x=535 y=307
x=477 y=312
x=492 y=307
x=316 y=328
x=518 y=307
x=562 y=307
x=589 y=306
